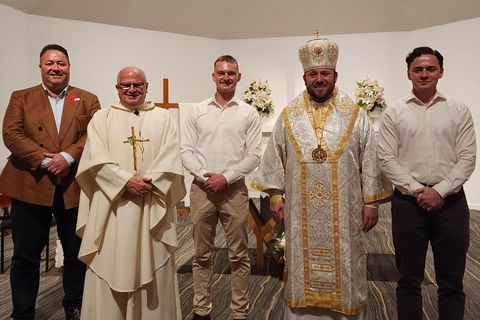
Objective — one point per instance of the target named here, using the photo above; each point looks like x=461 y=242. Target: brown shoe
x=199 y=317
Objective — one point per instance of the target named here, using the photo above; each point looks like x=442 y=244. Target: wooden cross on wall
x=165 y=104
x=168 y=105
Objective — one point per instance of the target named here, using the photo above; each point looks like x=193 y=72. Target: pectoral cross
x=134 y=141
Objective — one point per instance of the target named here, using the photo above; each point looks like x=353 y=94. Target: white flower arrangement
x=369 y=95
x=258 y=95
x=278 y=247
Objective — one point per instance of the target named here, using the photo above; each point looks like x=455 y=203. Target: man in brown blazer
x=45 y=128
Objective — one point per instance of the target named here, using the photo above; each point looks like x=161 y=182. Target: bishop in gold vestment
x=321 y=161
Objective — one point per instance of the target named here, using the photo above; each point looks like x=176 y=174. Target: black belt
x=428 y=185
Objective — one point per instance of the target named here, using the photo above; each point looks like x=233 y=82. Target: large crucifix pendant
x=319 y=155
x=133 y=141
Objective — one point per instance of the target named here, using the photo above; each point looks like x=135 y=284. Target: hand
x=137 y=187
x=369 y=218
x=429 y=199
x=215 y=182
x=57 y=166
x=277 y=211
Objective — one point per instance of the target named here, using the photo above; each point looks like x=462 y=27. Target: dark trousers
x=30 y=233
x=447 y=230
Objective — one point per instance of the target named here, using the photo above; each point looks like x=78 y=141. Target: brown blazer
x=29 y=131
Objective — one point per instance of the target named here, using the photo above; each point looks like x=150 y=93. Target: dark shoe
x=72 y=313
x=199 y=317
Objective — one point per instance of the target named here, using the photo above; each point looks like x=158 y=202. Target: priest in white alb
x=131 y=179
x=320 y=169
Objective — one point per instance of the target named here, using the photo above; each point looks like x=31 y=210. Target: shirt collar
x=436 y=98
x=234 y=102
x=50 y=94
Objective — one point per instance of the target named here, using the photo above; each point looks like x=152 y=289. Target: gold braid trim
x=292 y=138
x=378 y=197
x=322 y=301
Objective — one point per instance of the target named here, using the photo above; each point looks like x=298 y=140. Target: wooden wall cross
x=168 y=105
x=165 y=104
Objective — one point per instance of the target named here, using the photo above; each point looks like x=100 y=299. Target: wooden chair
x=260 y=228
x=6 y=225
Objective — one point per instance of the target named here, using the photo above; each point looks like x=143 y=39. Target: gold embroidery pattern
x=336 y=229
x=345 y=105
x=317 y=54
x=303 y=53
x=347 y=134
x=289 y=130
x=377 y=197
x=321 y=252
x=321 y=268
x=306 y=271
x=322 y=301
x=295 y=109
x=312 y=298
x=323 y=285
x=319 y=195
x=332 y=53
x=325 y=114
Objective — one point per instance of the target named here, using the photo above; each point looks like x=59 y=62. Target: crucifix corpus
x=134 y=141
x=165 y=104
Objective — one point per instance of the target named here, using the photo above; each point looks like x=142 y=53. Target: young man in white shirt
x=220 y=145
x=427 y=150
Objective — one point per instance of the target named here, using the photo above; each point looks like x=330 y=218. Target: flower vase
x=265 y=119
x=375 y=117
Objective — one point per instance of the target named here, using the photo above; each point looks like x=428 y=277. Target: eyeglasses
x=126 y=86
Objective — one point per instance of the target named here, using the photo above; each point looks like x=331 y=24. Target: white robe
x=126 y=242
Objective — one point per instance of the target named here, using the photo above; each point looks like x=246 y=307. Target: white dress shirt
x=431 y=143
x=221 y=140
x=57 y=102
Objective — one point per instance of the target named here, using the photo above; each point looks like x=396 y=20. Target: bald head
x=132 y=86
x=131 y=71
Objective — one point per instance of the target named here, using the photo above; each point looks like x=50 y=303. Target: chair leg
x=2 y=253
x=47 y=255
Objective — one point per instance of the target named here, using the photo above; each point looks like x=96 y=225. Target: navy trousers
x=447 y=231
x=30 y=233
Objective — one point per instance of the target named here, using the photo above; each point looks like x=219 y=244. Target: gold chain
x=324 y=115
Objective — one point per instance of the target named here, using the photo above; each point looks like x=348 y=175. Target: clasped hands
x=429 y=199
x=137 y=187
x=215 y=182
x=57 y=165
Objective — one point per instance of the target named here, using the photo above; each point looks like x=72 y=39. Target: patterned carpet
x=266 y=286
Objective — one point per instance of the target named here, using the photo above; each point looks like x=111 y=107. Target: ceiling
x=240 y=19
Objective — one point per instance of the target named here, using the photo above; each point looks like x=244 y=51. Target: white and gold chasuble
x=325 y=253
x=126 y=242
